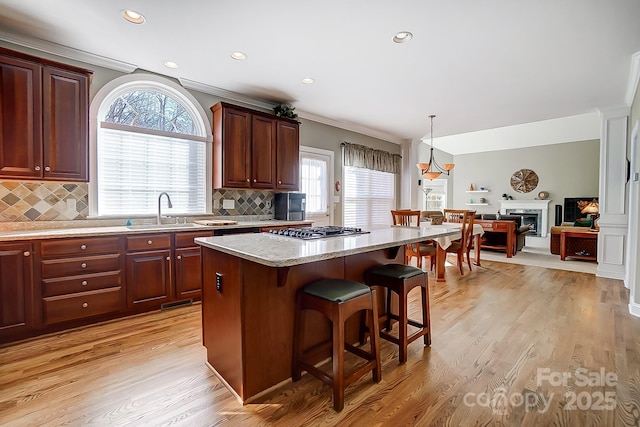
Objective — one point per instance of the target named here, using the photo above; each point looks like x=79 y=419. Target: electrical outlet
x=228 y=204
x=268 y=204
x=219 y=282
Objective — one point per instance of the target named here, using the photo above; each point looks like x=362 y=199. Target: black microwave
x=290 y=206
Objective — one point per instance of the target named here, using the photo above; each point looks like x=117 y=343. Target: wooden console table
x=569 y=247
x=500 y=226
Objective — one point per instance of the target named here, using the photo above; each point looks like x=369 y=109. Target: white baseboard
x=634 y=309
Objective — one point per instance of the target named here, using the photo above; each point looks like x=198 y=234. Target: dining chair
x=420 y=250
x=454 y=215
x=462 y=246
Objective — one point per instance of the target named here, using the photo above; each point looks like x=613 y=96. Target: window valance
x=361 y=156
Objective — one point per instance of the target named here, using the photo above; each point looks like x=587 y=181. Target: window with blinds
x=313 y=177
x=369 y=197
x=148 y=143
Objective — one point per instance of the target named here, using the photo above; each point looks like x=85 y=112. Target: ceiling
x=477 y=65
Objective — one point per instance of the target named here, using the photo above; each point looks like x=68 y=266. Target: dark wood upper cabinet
x=288 y=156
x=44 y=116
x=254 y=150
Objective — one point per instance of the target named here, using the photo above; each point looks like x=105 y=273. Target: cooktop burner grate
x=308 y=233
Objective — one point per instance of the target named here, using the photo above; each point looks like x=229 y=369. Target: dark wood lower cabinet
x=16 y=289
x=188 y=274
x=148 y=278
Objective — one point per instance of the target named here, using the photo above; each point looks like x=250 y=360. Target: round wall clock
x=524 y=180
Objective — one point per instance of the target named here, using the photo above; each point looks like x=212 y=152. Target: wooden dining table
x=445 y=241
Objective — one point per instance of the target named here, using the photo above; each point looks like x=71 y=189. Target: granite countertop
x=69 y=229
x=281 y=251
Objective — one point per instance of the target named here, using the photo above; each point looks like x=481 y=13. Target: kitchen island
x=249 y=287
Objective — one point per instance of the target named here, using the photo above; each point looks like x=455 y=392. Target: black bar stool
x=401 y=279
x=337 y=299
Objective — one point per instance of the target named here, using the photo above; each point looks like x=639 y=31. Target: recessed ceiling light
x=133 y=16
x=238 y=56
x=402 y=36
x=307 y=80
x=170 y=64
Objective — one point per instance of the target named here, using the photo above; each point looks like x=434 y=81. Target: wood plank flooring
x=502 y=335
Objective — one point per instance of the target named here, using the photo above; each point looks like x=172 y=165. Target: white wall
x=564 y=170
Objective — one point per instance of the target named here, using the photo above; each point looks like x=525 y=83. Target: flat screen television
x=571 y=211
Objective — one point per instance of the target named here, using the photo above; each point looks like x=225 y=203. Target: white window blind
x=369 y=197
x=313 y=174
x=135 y=165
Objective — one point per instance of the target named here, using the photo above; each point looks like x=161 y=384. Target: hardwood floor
x=504 y=334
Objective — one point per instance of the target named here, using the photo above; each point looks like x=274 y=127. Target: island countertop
x=281 y=251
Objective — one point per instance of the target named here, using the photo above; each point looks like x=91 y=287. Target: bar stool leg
x=426 y=316
x=338 y=358
x=375 y=337
x=403 y=325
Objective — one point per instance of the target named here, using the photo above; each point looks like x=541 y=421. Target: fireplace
x=530 y=210
x=530 y=217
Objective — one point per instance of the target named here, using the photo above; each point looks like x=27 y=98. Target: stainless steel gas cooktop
x=308 y=233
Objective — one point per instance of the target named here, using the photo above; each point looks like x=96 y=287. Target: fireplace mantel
x=540 y=205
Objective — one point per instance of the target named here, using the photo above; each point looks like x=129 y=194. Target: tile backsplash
x=54 y=201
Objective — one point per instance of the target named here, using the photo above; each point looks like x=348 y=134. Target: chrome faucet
x=159 y=218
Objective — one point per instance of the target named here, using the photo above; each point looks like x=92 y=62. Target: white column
x=614 y=217
x=409 y=190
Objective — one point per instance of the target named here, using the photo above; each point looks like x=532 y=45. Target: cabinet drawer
x=85 y=304
x=81 y=246
x=81 y=283
x=185 y=240
x=80 y=265
x=150 y=241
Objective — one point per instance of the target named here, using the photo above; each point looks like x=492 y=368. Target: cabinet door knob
x=168 y=258
x=279 y=182
x=47 y=168
x=83 y=247
x=37 y=168
x=248 y=180
x=255 y=180
x=149 y=242
x=26 y=253
x=83 y=265
x=85 y=304
x=179 y=257
x=84 y=283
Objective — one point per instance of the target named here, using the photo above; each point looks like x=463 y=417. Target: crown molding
x=223 y=93
x=634 y=78
x=351 y=127
x=234 y=96
x=67 y=52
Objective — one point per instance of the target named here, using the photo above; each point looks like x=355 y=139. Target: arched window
x=150 y=138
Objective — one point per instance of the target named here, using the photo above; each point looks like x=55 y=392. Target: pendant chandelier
x=433 y=170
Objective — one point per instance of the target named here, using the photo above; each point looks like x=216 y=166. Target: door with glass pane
x=316 y=176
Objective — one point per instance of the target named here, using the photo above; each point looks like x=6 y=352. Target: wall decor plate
x=524 y=180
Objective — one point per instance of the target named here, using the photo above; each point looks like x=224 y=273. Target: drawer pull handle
x=83 y=265
x=84 y=283
x=83 y=247
x=47 y=168
x=168 y=258
x=37 y=168
x=149 y=242
x=26 y=253
x=179 y=257
x=85 y=305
